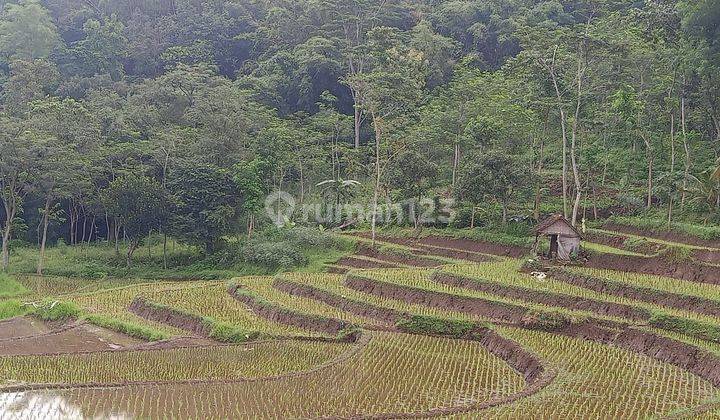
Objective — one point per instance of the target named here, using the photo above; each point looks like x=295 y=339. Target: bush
x=677 y=254
x=56 y=311
x=227 y=333
x=273 y=254
x=10 y=288
x=130 y=329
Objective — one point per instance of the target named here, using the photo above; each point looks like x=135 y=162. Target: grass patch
x=697 y=329
x=228 y=333
x=10 y=288
x=12 y=309
x=50 y=310
x=130 y=329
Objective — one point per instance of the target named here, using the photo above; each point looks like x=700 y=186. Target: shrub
x=677 y=254
x=10 y=288
x=273 y=254
x=227 y=333
x=133 y=330
x=56 y=311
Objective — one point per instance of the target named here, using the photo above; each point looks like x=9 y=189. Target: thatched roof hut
x=564 y=238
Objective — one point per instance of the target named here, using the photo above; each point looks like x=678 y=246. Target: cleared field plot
x=394 y=374
x=255 y=360
x=21 y=327
x=598 y=381
x=75 y=339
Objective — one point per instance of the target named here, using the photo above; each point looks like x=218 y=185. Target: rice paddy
x=325 y=347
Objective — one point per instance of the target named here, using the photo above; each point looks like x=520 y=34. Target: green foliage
x=546 y=321
x=227 y=333
x=677 y=254
x=130 y=329
x=10 y=288
x=52 y=310
x=206 y=204
x=12 y=308
x=697 y=329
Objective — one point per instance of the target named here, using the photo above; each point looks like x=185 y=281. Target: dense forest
x=122 y=118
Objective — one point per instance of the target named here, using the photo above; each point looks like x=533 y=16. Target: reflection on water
x=44 y=405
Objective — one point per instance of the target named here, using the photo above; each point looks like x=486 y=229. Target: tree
x=495 y=176
x=27 y=31
x=392 y=93
x=140 y=205
x=205 y=204
x=18 y=165
x=414 y=175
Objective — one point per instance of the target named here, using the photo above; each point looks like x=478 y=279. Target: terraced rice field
x=473 y=336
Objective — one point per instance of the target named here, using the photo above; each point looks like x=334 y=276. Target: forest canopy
x=122 y=118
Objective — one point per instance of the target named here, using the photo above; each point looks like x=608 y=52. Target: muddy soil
x=22 y=327
x=620 y=242
x=394 y=258
x=657 y=297
x=663 y=235
x=421 y=249
x=707 y=256
x=430 y=243
x=686 y=270
x=545 y=298
x=361 y=264
x=80 y=338
x=187 y=322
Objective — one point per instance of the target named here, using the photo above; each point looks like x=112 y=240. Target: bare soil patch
x=181 y=320
x=662 y=235
x=475 y=306
x=685 y=270
x=22 y=327
x=78 y=338
x=396 y=258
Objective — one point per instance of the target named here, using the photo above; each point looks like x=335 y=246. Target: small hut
x=564 y=237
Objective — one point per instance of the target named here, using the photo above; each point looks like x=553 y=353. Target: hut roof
x=545 y=225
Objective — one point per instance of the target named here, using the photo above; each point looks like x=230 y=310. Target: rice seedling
x=598 y=381
x=214 y=301
x=255 y=360
x=394 y=373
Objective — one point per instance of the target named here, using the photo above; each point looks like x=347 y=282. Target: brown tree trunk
x=46 y=221
x=376 y=189
x=9 y=218
x=686 y=146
